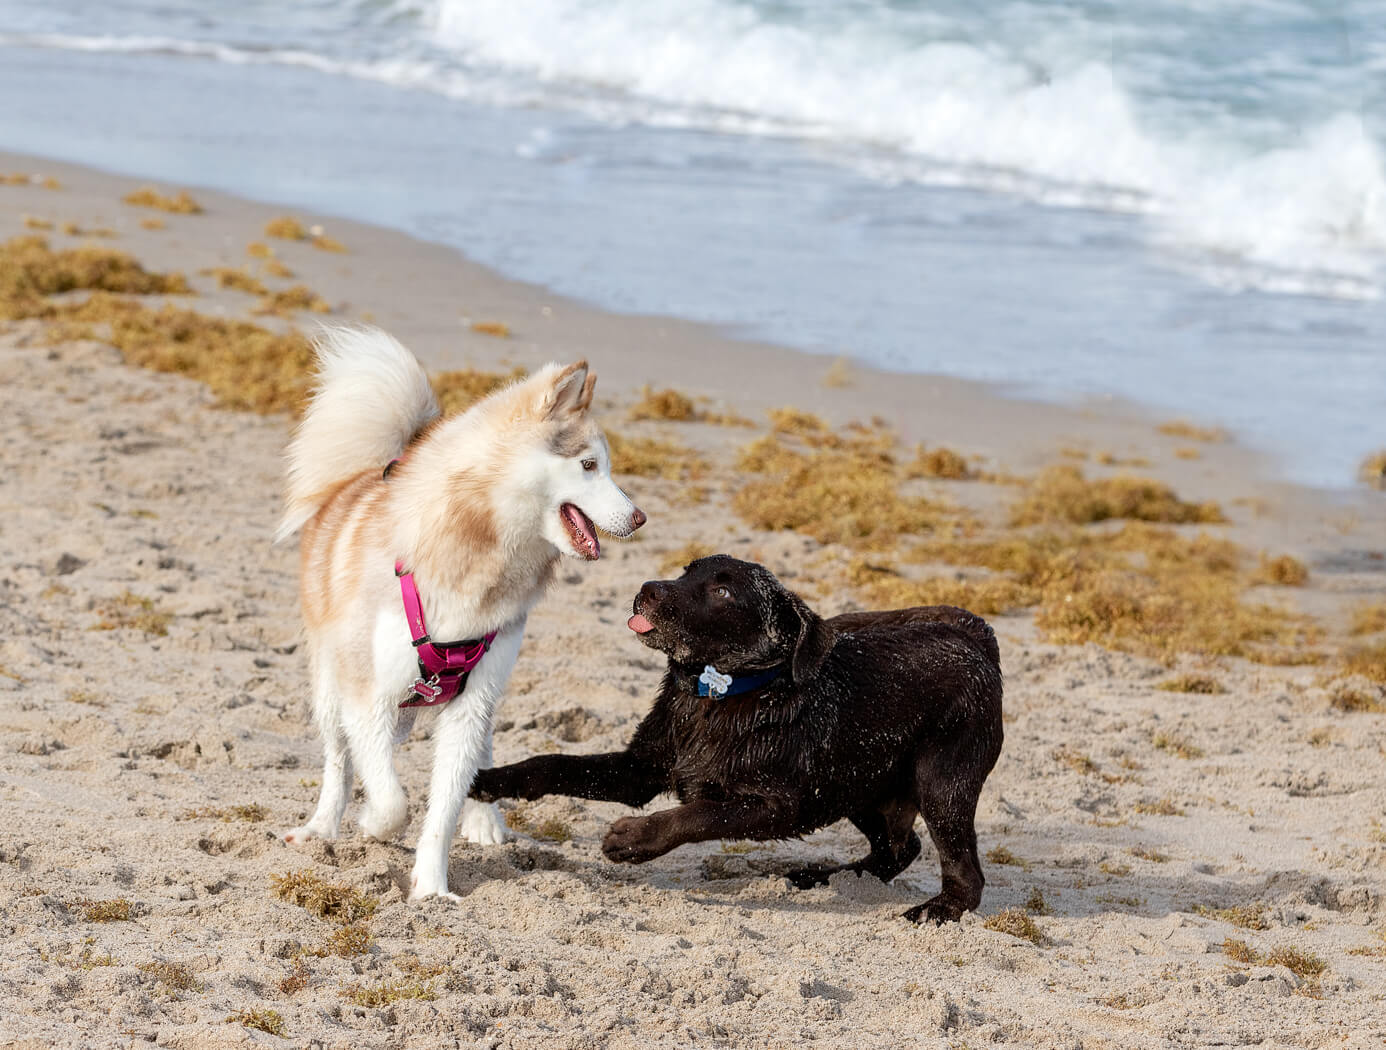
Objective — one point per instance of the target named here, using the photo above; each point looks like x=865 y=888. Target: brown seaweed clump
x=1182 y=428
x=461 y=388
x=286 y=228
x=673 y=406
x=286 y=302
x=1203 y=685
x=939 y=462
x=1284 y=571
x=237 y=279
x=390 y=990
x=1353 y=695
x=676 y=560
x=128 y=610
x=840 y=490
x=1368 y=660
x=106 y=911
x=1062 y=494
x=180 y=203
x=1141 y=588
x=667 y=404
x=648 y=457
x=1368 y=618
x=1015 y=923
x=326 y=900
x=883 y=586
x=262 y=1020
x=1373 y=470
x=246 y=366
x=31 y=271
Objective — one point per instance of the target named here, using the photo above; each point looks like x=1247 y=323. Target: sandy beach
x=1197 y=868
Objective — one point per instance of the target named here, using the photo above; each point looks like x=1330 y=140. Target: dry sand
x=116 y=746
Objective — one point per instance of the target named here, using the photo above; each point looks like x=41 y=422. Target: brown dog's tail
x=971 y=625
x=961 y=620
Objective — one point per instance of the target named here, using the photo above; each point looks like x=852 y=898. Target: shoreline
x=946 y=281
x=410 y=292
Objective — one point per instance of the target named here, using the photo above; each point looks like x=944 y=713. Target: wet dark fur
x=878 y=717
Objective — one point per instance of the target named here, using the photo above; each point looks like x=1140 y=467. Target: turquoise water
x=1187 y=207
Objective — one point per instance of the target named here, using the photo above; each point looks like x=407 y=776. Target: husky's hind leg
x=336 y=773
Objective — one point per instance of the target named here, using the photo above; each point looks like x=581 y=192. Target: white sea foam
x=1308 y=215
x=1304 y=219
x=880 y=90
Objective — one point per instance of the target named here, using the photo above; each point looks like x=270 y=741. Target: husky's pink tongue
x=581 y=531
x=639 y=624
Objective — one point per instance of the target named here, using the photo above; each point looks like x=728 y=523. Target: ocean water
x=1180 y=203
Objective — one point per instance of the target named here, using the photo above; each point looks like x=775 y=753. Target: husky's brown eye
x=589 y=464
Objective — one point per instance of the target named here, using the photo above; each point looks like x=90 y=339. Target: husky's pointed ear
x=815 y=641
x=588 y=389
x=565 y=396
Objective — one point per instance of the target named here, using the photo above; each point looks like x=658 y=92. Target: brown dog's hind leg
x=894 y=845
x=949 y=810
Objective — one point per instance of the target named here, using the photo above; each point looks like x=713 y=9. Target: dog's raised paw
x=483 y=824
x=632 y=840
x=298 y=836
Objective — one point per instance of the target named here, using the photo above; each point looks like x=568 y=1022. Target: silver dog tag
x=717 y=683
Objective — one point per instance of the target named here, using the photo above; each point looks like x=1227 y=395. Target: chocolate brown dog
x=773 y=722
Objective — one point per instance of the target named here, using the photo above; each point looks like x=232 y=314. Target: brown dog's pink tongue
x=639 y=624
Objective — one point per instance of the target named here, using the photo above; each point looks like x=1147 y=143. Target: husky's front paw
x=298 y=836
x=483 y=824
x=423 y=887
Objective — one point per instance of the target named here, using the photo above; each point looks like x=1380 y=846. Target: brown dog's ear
x=815 y=641
x=565 y=397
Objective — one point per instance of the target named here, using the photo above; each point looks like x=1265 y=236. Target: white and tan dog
x=479 y=507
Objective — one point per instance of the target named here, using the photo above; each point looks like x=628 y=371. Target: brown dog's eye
x=589 y=464
x=723 y=593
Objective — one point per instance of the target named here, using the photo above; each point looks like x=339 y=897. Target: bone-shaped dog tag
x=717 y=683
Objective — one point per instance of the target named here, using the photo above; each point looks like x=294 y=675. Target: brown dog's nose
x=637 y=518
x=650 y=595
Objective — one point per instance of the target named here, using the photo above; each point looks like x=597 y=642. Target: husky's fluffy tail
x=371 y=396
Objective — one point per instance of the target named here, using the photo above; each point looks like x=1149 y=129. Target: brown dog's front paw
x=632 y=840
x=485 y=786
x=936 y=910
x=808 y=877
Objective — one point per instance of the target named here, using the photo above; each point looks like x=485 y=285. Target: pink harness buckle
x=443 y=666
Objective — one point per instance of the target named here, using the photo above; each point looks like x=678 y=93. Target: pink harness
x=443 y=666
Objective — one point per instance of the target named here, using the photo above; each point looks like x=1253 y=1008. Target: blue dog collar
x=717 y=685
